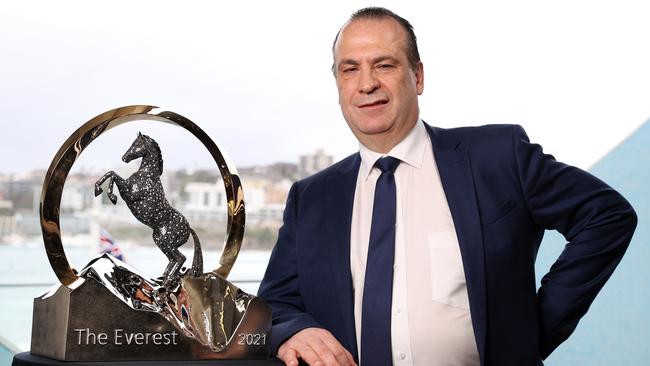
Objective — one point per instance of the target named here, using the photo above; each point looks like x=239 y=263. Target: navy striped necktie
x=378 y=285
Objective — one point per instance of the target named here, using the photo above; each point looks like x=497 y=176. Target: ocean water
x=26 y=273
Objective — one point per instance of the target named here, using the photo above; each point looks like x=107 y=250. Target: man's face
x=377 y=86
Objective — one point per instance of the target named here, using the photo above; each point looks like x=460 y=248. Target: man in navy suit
x=472 y=207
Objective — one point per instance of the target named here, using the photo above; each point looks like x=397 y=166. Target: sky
x=256 y=75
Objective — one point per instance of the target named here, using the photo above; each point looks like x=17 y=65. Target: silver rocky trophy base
x=114 y=313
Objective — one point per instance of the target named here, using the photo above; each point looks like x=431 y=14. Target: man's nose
x=368 y=82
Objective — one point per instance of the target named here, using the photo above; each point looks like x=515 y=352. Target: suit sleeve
x=280 y=287
x=597 y=222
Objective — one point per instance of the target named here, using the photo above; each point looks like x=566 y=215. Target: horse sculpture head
x=143 y=146
x=138 y=149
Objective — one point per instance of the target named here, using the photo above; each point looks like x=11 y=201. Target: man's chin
x=375 y=129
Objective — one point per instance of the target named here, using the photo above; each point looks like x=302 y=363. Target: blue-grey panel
x=616 y=329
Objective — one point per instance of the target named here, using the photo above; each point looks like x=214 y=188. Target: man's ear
x=419 y=77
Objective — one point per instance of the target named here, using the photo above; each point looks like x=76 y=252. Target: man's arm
x=279 y=287
x=295 y=333
x=595 y=219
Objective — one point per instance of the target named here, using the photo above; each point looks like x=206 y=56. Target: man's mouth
x=374 y=103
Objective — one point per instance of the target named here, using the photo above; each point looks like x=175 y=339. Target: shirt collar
x=410 y=150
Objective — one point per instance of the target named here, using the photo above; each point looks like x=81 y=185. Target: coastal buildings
x=199 y=195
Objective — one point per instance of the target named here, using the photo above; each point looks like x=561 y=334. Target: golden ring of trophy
x=84 y=136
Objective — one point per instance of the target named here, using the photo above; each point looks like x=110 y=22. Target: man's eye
x=385 y=66
x=348 y=70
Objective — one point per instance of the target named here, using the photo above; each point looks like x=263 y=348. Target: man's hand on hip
x=316 y=346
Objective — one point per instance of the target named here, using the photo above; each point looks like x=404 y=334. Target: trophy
x=108 y=311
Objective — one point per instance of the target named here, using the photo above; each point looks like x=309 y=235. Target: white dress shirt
x=431 y=323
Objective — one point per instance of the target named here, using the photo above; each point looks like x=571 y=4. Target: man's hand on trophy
x=315 y=346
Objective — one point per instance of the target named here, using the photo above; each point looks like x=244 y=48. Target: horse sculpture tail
x=197 y=261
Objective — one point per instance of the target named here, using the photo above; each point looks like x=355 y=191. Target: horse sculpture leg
x=100 y=181
x=111 y=184
x=171 y=274
x=176 y=260
x=113 y=179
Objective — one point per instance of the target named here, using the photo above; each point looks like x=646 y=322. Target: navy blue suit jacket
x=503 y=192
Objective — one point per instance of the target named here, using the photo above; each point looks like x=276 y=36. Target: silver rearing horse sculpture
x=143 y=194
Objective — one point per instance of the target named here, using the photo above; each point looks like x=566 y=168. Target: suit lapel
x=340 y=198
x=458 y=183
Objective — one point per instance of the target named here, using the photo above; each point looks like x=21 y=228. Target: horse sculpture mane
x=157 y=151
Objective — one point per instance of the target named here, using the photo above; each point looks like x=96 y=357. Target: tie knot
x=387 y=164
